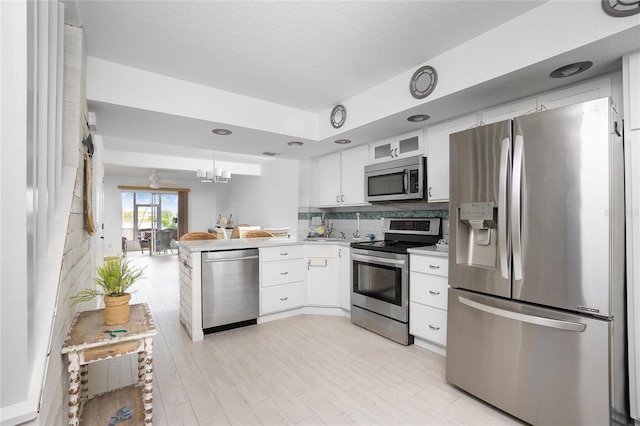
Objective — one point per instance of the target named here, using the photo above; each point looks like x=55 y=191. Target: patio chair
x=163 y=240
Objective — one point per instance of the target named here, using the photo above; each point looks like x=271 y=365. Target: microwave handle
x=406 y=182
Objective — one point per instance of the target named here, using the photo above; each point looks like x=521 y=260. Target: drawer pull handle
x=433 y=327
x=284 y=273
x=434 y=267
x=284 y=298
x=284 y=254
x=435 y=293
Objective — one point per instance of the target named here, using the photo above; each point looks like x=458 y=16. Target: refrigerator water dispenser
x=476 y=234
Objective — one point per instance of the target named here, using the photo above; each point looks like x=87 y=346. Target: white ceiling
x=308 y=55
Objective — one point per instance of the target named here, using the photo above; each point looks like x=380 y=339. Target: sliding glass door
x=144 y=214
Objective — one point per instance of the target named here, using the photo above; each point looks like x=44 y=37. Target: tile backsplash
x=344 y=219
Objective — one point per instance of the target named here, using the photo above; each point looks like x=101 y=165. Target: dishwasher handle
x=226 y=259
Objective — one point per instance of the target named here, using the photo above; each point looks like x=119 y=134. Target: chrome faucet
x=357 y=233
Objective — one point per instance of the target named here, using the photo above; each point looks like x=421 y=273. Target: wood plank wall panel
x=76 y=270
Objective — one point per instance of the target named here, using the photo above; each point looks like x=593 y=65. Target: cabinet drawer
x=281 y=298
x=282 y=272
x=268 y=254
x=112 y=350
x=428 y=289
x=428 y=323
x=430 y=265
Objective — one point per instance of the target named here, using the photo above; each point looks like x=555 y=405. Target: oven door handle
x=379 y=260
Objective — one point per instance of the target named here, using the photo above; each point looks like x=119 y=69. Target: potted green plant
x=114 y=278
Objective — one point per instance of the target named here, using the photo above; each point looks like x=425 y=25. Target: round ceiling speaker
x=423 y=82
x=338 y=116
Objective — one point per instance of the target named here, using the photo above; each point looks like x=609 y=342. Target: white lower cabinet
x=282 y=272
x=282 y=278
x=428 y=323
x=344 y=255
x=281 y=298
x=313 y=275
x=428 y=298
x=323 y=275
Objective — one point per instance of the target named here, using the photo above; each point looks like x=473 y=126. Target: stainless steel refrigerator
x=536 y=310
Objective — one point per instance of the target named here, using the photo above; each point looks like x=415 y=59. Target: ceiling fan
x=155 y=182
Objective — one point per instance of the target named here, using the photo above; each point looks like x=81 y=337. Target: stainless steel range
x=380 y=276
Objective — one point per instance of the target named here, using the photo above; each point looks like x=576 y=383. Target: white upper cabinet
x=438 y=155
x=329 y=181
x=353 y=162
x=505 y=112
x=582 y=92
x=407 y=145
x=341 y=177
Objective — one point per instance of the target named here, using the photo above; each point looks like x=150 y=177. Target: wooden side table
x=90 y=340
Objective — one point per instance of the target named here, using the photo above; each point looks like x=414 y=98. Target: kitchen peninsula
x=274 y=252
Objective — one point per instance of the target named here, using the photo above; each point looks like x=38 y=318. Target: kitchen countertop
x=248 y=243
x=430 y=251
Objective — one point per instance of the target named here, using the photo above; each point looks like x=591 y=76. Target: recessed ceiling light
x=270 y=154
x=222 y=132
x=418 y=117
x=342 y=141
x=295 y=143
x=571 y=69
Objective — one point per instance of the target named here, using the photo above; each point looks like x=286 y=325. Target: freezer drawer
x=541 y=365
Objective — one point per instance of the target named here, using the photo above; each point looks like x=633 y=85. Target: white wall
x=270 y=200
x=14 y=370
x=307 y=179
x=203 y=201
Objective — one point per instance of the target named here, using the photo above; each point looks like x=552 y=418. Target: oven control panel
x=416 y=226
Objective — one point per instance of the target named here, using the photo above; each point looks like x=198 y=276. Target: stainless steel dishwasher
x=230 y=286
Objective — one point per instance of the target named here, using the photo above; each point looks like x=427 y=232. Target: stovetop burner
x=402 y=234
x=392 y=246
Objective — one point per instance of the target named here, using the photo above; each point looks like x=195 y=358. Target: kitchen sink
x=325 y=239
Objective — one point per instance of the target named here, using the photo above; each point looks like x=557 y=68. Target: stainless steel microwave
x=404 y=179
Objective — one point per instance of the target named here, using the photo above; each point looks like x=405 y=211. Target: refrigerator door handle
x=516 y=189
x=502 y=209
x=531 y=319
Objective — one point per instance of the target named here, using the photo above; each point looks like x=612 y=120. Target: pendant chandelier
x=217 y=175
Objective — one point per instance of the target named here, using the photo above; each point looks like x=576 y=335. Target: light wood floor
x=302 y=370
